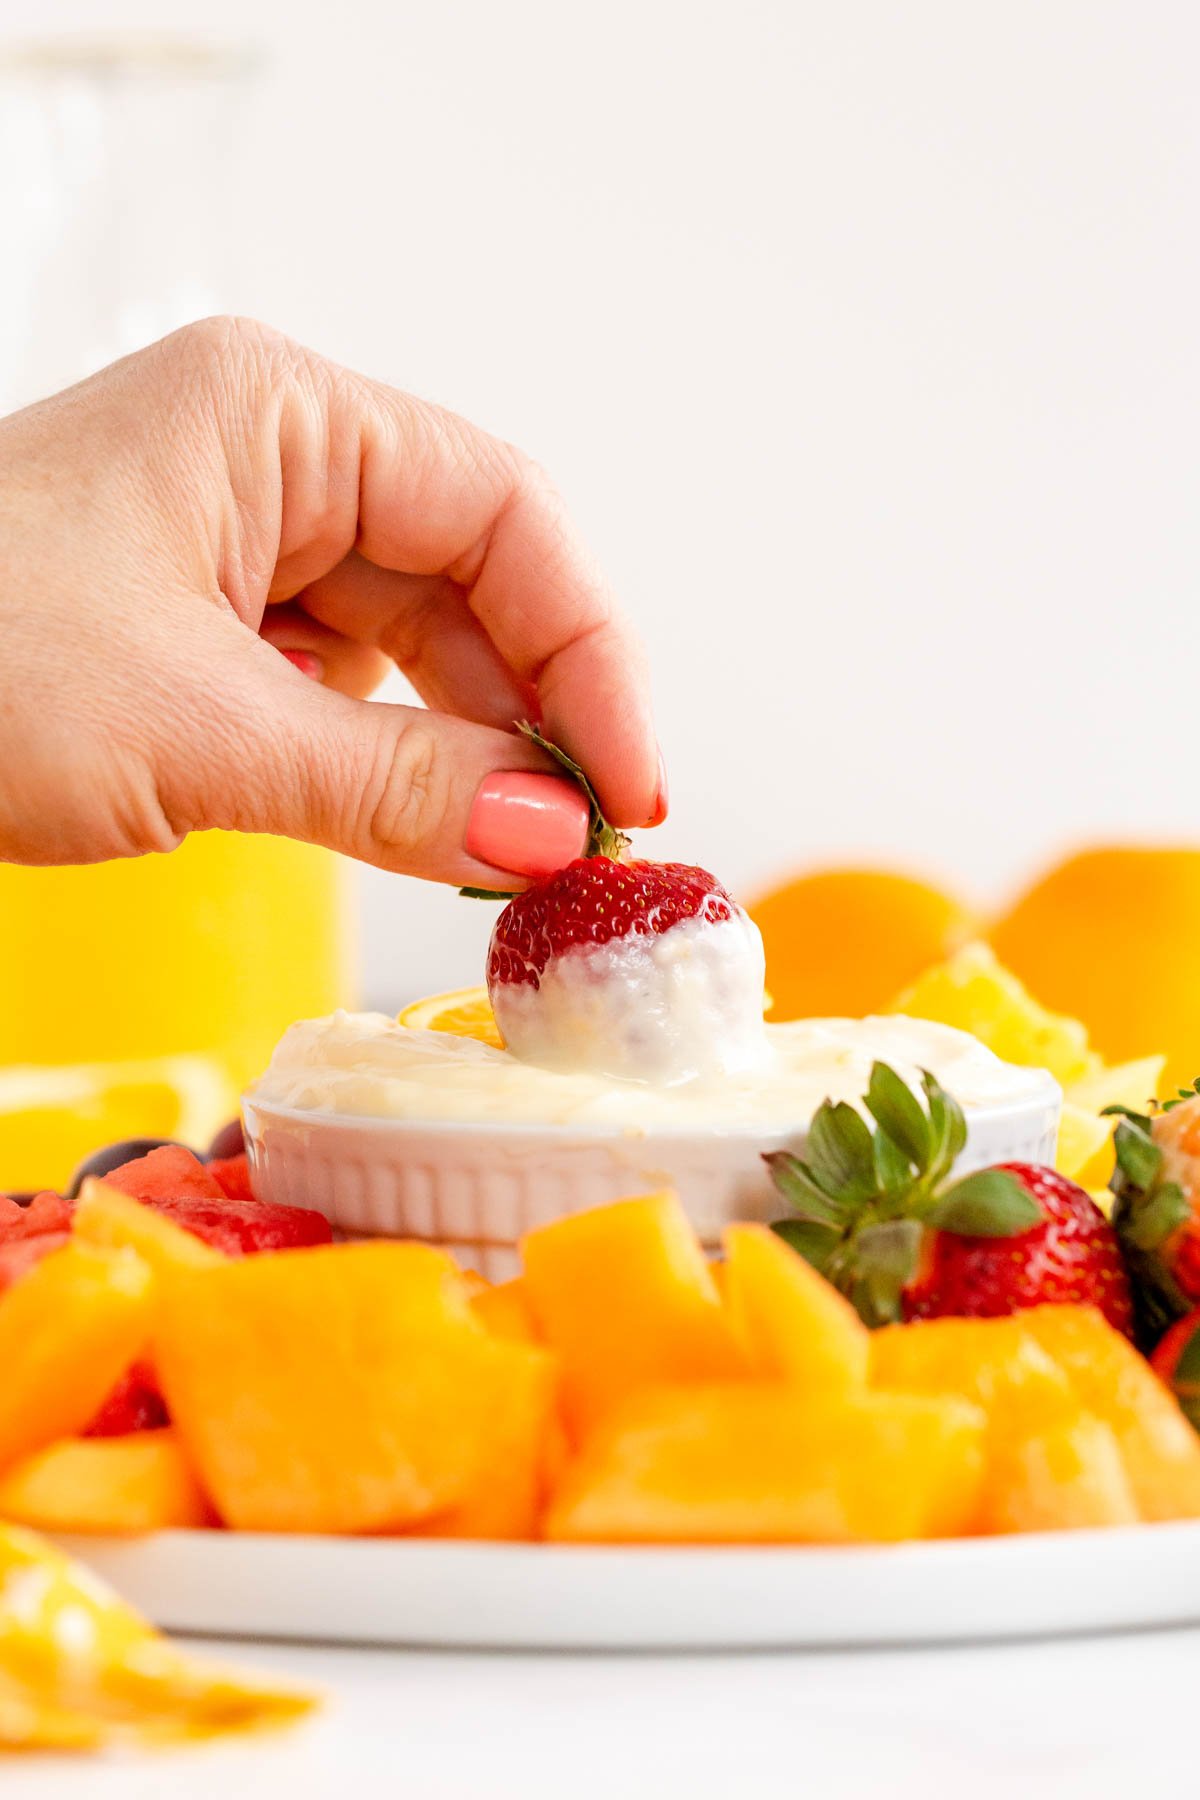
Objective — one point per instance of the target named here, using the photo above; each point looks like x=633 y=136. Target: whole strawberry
x=1156 y=1207
x=641 y=970
x=645 y=971
x=878 y=1214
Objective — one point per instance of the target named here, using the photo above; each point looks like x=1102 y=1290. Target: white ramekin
x=478 y=1188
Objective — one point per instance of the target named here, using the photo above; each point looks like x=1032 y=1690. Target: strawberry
x=640 y=970
x=880 y=1217
x=592 y=902
x=1177 y=1360
x=1156 y=1206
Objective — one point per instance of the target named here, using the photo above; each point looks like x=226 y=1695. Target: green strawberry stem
x=1148 y=1210
x=603 y=839
x=864 y=1199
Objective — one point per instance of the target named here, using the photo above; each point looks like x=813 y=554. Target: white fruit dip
x=366 y=1065
x=685 y=1004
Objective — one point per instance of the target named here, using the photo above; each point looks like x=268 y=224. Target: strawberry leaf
x=949 y=1128
x=885 y=1262
x=794 y=1180
x=898 y=1112
x=989 y=1203
x=893 y=1171
x=1139 y=1158
x=815 y=1243
x=1150 y=1222
x=841 y=1155
x=603 y=838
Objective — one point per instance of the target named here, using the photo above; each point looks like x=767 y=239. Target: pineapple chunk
x=975 y=992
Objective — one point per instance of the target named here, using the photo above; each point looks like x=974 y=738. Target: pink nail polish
x=307 y=662
x=531 y=824
x=663 y=800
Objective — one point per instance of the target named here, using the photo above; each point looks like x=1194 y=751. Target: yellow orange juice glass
x=139 y=997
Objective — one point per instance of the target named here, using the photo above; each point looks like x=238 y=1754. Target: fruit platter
x=593 y=1307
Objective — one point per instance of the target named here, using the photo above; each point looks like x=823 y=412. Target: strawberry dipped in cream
x=638 y=970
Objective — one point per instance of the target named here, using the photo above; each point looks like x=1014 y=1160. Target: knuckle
x=226 y=352
x=411 y=798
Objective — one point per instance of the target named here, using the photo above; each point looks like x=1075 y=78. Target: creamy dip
x=679 y=1006
x=366 y=1065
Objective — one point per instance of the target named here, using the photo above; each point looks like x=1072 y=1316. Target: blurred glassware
x=119 y=169
x=120 y=185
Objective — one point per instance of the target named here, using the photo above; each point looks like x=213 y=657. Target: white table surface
x=1090 y=1716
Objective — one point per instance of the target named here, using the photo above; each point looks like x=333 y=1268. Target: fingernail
x=663 y=800
x=529 y=823
x=307 y=662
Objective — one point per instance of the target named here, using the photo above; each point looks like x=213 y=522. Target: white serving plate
x=479 y=1188
x=566 y=1597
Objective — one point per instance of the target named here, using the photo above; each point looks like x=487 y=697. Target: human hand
x=171 y=525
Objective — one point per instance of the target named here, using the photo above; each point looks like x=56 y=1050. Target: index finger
x=435 y=494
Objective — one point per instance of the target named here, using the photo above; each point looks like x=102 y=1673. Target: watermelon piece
x=232 y=1175
x=45 y=1212
x=244 y=1227
x=19 y=1255
x=168 y=1173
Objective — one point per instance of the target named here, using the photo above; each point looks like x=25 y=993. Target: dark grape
x=103 y=1162
x=229 y=1141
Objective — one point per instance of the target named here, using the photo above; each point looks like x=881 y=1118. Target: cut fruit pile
x=621 y=1390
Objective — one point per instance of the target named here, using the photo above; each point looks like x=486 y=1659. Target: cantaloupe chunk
x=505 y=1311
x=105 y=1216
x=793 y=1324
x=751 y=1463
x=1034 y=1415
x=1160 y=1450
x=348 y=1389
x=68 y=1332
x=522 y=1456
x=995 y=1363
x=142 y=1482
x=624 y=1294
x=1060 y=1476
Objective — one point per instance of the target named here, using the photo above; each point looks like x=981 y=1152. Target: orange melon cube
x=121 y=1484
x=505 y=1311
x=1160 y=1450
x=522 y=1454
x=107 y=1217
x=1064 y=1475
x=793 y=1324
x=995 y=1363
x=347 y=1389
x=625 y=1296
x=68 y=1332
x=746 y=1463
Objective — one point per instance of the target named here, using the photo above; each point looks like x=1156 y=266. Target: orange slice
x=464 y=1012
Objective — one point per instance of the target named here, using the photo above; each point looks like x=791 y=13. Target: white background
x=862 y=339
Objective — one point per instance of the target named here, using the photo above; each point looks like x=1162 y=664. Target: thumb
x=418 y=792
